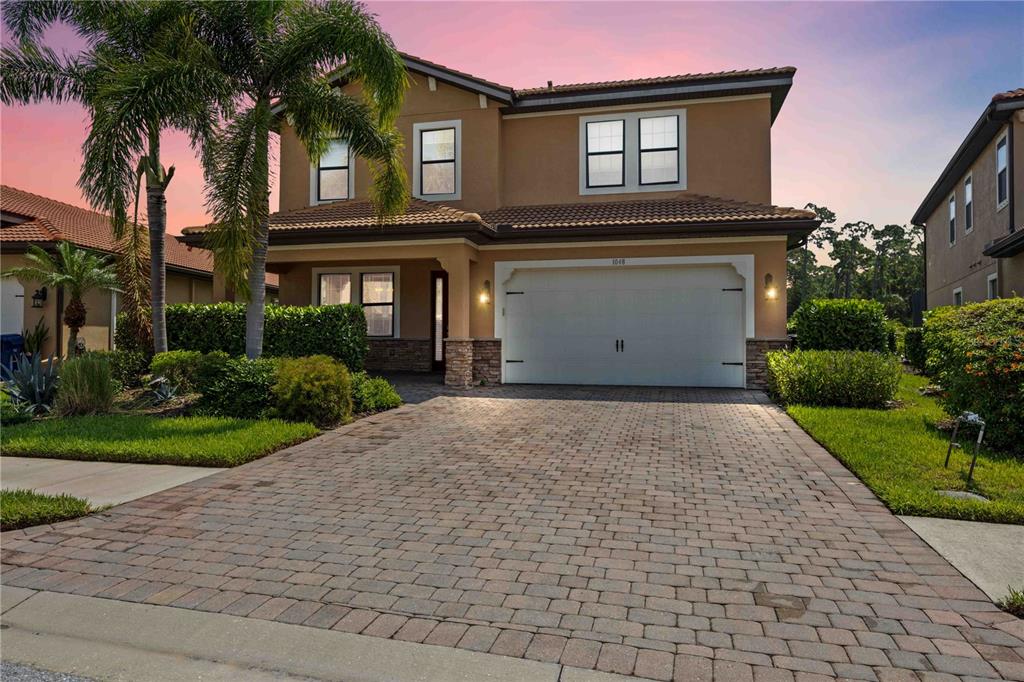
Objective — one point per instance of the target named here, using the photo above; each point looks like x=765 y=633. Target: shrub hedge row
x=976 y=354
x=833 y=378
x=913 y=345
x=841 y=324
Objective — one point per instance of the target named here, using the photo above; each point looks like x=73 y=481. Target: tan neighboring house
x=595 y=233
x=974 y=213
x=27 y=218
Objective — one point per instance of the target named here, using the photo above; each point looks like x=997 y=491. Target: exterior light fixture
x=771 y=292
x=485 y=292
x=38 y=298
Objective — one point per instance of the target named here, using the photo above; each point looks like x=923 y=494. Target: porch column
x=458 y=347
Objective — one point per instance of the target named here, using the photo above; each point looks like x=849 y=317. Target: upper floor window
x=643 y=151
x=968 y=204
x=1002 y=173
x=659 y=150
x=952 y=219
x=332 y=173
x=606 y=154
x=437 y=160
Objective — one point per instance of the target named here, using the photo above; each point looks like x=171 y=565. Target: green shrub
x=127 y=337
x=833 y=378
x=373 y=394
x=976 y=354
x=12 y=413
x=126 y=366
x=180 y=367
x=245 y=390
x=212 y=368
x=313 y=389
x=840 y=324
x=86 y=386
x=290 y=331
x=913 y=348
x=895 y=332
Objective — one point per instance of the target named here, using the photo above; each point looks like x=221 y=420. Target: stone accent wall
x=399 y=355
x=469 y=362
x=757 y=369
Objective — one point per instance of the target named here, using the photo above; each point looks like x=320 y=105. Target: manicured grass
x=193 y=441
x=1013 y=603
x=899 y=455
x=24 y=508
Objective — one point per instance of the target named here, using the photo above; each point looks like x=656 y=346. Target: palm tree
x=77 y=271
x=280 y=54
x=123 y=145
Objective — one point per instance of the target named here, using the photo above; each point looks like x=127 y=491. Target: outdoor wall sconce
x=38 y=298
x=485 y=292
x=771 y=292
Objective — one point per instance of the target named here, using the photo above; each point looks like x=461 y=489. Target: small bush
x=212 y=368
x=840 y=324
x=126 y=366
x=313 y=389
x=86 y=386
x=129 y=338
x=913 y=348
x=179 y=367
x=895 y=332
x=373 y=394
x=244 y=391
x=833 y=378
x=338 y=331
x=976 y=354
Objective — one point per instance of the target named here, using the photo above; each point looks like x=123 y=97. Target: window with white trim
x=1002 y=173
x=992 y=284
x=373 y=287
x=642 y=151
x=958 y=296
x=334 y=288
x=332 y=181
x=952 y=219
x=378 y=300
x=437 y=160
x=968 y=204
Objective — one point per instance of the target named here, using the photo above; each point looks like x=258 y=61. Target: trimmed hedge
x=976 y=354
x=913 y=348
x=244 y=390
x=313 y=389
x=180 y=367
x=833 y=378
x=841 y=324
x=338 y=331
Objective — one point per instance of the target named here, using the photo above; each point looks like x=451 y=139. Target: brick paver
x=671 y=533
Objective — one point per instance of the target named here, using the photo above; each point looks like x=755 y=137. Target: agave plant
x=32 y=384
x=161 y=390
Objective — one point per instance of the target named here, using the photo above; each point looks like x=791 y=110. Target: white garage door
x=643 y=326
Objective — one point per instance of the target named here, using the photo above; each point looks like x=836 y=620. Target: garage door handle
x=737 y=364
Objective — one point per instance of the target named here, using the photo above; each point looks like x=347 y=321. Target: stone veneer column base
x=472 y=361
x=399 y=355
x=757 y=367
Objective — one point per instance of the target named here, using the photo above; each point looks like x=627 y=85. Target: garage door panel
x=677 y=324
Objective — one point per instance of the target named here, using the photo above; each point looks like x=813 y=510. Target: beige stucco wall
x=535 y=160
x=963 y=264
x=417 y=261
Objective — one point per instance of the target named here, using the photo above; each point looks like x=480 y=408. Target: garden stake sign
x=974 y=420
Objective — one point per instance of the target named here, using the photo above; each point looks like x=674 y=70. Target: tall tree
x=280 y=54
x=75 y=270
x=128 y=108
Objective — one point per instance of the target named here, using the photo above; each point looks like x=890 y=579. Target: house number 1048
x=618 y=261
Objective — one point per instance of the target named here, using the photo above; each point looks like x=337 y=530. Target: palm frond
x=34 y=73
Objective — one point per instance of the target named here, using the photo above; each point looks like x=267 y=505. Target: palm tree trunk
x=156 y=210
x=255 y=311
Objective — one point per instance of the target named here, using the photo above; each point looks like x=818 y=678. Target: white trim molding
x=742 y=263
x=417 y=130
x=356 y=273
x=1004 y=140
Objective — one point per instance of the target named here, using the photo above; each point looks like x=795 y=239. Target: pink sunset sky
x=883 y=95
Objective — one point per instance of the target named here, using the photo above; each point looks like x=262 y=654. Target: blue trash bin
x=11 y=346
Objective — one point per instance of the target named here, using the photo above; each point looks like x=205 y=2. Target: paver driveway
x=658 y=532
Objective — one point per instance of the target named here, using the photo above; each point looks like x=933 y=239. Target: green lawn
x=193 y=441
x=899 y=455
x=24 y=508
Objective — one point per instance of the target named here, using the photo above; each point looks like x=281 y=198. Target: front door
x=438 y=317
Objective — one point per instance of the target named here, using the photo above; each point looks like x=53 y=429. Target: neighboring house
x=27 y=218
x=974 y=213
x=598 y=233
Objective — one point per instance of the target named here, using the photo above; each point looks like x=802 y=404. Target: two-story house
x=973 y=216
x=595 y=233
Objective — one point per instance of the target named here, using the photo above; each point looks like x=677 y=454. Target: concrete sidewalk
x=991 y=555
x=102 y=483
x=108 y=639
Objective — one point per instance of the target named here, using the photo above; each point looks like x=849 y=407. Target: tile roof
x=361 y=214
x=52 y=221
x=427 y=62
x=680 y=209
x=658 y=80
x=1008 y=95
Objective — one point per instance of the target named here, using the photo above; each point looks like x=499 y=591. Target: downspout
x=1010 y=163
